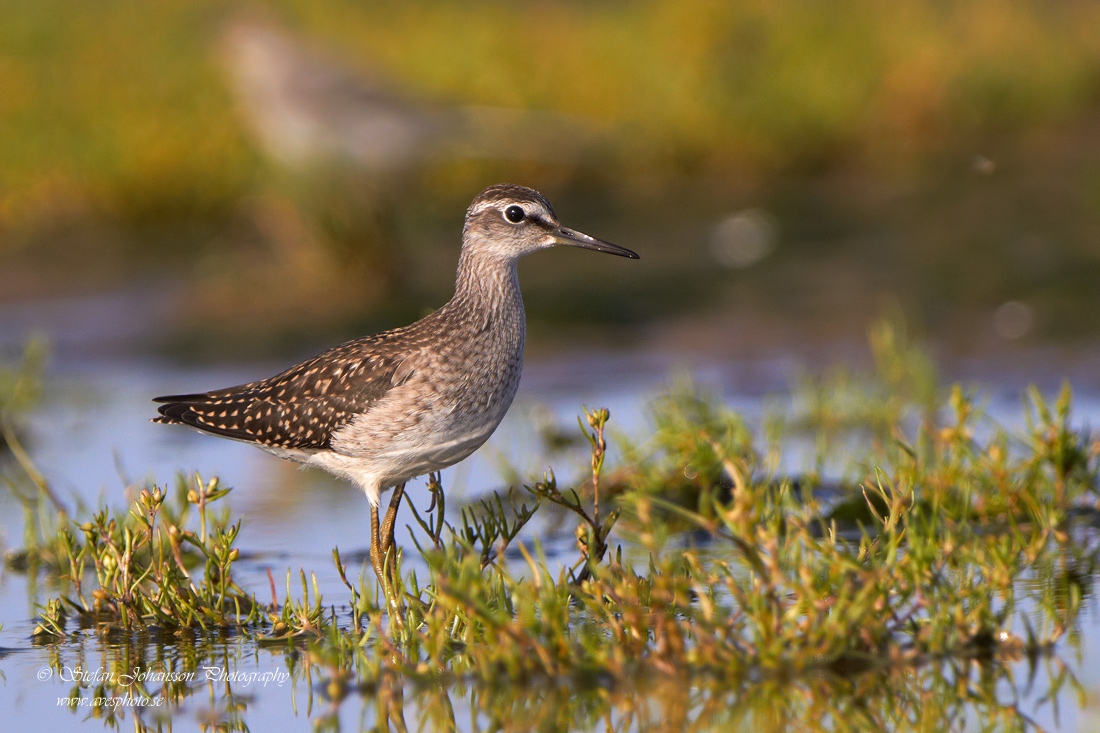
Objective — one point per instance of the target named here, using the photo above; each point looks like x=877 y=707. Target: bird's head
x=507 y=222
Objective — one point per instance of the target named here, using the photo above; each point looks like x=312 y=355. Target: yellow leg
x=383 y=549
x=376 y=556
x=388 y=543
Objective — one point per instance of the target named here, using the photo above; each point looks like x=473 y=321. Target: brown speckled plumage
x=300 y=408
x=383 y=409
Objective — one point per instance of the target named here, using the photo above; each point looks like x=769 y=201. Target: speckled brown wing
x=300 y=408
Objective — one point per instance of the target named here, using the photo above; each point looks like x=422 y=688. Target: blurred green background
x=788 y=170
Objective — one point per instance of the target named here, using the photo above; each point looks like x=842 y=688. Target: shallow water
x=92 y=439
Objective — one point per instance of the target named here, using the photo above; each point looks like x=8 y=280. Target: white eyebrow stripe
x=485 y=205
x=531 y=209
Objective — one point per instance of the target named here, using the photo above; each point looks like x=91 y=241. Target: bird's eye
x=514 y=214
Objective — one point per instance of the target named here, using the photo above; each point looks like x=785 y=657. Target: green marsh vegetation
x=946 y=568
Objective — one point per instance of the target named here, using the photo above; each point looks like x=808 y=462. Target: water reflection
x=231 y=684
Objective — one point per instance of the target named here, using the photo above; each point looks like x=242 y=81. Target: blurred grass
x=762 y=86
x=122 y=105
x=120 y=142
x=116 y=109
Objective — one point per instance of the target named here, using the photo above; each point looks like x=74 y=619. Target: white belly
x=391 y=444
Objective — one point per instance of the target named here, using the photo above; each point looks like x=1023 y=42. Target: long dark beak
x=573 y=238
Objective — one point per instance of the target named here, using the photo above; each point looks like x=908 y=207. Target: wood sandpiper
x=384 y=409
